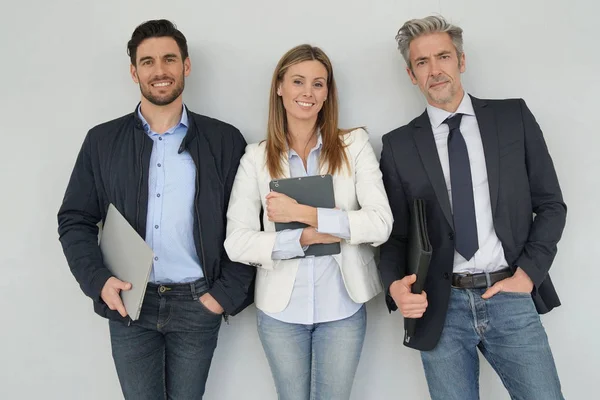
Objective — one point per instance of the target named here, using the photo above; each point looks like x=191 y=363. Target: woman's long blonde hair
x=333 y=151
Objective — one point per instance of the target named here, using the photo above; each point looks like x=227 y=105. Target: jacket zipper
x=139 y=191
x=208 y=281
x=200 y=231
x=137 y=216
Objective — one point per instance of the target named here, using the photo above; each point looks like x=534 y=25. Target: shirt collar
x=183 y=121
x=437 y=116
x=292 y=152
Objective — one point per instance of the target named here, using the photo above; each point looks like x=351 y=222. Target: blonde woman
x=311 y=314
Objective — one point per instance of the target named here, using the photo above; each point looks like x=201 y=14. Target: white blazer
x=360 y=193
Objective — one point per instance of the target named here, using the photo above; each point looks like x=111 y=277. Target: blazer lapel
x=285 y=165
x=423 y=137
x=489 y=137
x=323 y=167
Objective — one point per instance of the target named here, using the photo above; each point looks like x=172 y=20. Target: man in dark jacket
x=169 y=172
x=484 y=170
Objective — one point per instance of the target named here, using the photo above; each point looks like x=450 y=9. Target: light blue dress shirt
x=319 y=293
x=170 y=218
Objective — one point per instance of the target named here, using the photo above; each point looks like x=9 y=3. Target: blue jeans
x=508 y=332
x=166 y=353
x=316 y=362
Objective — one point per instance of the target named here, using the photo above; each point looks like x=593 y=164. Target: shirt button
x=159 y=164
x=446 y=275
x=451 y=236
x=157 y=194
x=155 y=258
x=155 y=226
x=160 y=138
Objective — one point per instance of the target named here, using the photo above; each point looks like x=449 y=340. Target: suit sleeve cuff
x=529 y=267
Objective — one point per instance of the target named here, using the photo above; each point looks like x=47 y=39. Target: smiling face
x=436 y=69
x=303 y=90
x=160 y=70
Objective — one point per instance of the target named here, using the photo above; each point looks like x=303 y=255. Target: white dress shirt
x=490 y=255
x=319 y=293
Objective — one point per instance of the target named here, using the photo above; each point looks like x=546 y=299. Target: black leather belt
x=478 y=281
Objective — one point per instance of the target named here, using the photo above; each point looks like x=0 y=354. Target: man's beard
x=444 y=98
x=166 y=99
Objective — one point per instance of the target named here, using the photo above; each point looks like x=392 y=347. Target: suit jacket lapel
x=423 y=137
x=489 y=137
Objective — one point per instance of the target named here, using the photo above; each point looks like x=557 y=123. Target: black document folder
x=314 y=191
x=419 y=256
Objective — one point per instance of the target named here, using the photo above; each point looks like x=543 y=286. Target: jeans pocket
x=206 y=310
x=518 y=294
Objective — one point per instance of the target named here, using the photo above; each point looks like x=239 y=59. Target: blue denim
x=166 y=353
x=316 y=362
x=508 y=332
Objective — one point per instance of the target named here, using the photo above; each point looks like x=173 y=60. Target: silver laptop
x=128 y=257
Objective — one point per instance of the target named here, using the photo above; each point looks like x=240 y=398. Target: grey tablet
x=314 y=191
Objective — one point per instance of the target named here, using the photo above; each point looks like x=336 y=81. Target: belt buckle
x=460 y=278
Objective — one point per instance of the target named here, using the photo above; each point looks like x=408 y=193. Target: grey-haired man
x=484 y=170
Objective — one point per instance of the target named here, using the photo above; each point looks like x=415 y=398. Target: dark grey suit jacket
x=527 y=205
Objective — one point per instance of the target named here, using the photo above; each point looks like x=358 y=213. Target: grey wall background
x=64 y=69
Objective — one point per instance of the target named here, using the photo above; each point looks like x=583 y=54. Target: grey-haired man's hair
x=418 y=27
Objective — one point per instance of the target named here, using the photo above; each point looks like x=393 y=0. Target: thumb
x=124 y=285
x=410 y=279
x=492 y=291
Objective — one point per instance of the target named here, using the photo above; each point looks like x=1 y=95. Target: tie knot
x=454 y=121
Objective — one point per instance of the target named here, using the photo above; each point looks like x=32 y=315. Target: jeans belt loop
x=193 y=288
x=488 y=279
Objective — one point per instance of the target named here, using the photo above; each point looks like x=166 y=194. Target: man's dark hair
x=156 y=28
